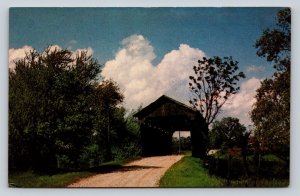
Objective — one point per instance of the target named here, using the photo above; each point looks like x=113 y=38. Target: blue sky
x=217 y=31
x=156 y=32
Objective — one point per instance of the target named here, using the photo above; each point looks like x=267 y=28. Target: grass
x=262 y=183
x=34 y=180
x=271 y=157
x=189 y=172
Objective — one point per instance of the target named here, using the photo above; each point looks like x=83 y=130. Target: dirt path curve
x=145 y=172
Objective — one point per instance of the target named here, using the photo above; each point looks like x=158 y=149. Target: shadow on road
x=111 y=168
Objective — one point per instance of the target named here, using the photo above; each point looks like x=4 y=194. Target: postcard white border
x=295 y=109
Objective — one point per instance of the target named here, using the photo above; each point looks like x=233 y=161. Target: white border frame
x=295 y=114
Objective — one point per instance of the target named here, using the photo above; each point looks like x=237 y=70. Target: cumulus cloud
x=141 y=81
x=240 y=104
x=15 y=54
x=54 y=47
x=254 y=68
x=89 y=51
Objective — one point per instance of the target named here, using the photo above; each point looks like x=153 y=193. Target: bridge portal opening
x=181 y=141
x=160 y=119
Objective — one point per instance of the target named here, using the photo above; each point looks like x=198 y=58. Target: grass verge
x=260 y=183
x=189 y=172
x=34 y=180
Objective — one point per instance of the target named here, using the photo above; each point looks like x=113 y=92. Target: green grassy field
x=189 y=172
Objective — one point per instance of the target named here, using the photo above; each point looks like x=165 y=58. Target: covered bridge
x=160 y=119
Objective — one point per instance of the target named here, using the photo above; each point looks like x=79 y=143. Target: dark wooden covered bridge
x=160 y=119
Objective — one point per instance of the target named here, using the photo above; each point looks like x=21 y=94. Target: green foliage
x=189 y=172
x=231 y=167
x=275 y=44
x=60 y=112
x=226 y=133
x=125 y=136
x=185 y=144
x=271 y=112
x=229 y=133
x=214 y=81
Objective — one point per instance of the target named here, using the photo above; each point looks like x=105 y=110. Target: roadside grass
x=30 y=179
x=189 y=172
x=259 y=183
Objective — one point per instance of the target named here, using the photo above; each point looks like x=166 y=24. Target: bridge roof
x=165 y=106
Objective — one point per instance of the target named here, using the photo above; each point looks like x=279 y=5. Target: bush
x=91 y=156
x=126 y=151
x=232 y=167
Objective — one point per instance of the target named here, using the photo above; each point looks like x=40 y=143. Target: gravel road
x=145 y=172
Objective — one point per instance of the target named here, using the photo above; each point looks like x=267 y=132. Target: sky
x=151 y=51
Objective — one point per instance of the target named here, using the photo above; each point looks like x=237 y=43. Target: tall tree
x=275 y=44
x=271 y=112
x=215 y=80
x=109 y=97
x=56 y=109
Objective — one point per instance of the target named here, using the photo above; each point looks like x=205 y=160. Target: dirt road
x=145 y=172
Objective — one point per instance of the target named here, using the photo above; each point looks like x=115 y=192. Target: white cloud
x=15 y=54
x=240 y=104
x=89 y=51
x=141 y=81
x=54 y=47
x=254 y=68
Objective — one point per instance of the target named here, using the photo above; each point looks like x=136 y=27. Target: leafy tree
x=108 y=96
x=125 y=135
x=58 y=110
x=228 y=133
x=215 y=80
x=275 y=44
x=271 y=112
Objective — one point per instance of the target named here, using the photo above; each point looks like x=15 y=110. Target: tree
x=275 y=44
x=228 y=133
x=271 y=112
x=215 y=80
x=109 y=97
x=58 y=110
